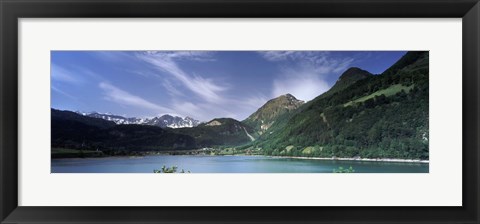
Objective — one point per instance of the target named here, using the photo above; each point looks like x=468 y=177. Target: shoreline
x=389 y=160
x=356 y=159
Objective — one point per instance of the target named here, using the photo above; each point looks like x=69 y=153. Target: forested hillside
x=73 y=131
x=219 y=132
x=379 y=116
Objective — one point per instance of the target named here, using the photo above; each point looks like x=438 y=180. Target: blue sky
x=200 y=84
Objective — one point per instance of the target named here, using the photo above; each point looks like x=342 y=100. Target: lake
x=226 y=164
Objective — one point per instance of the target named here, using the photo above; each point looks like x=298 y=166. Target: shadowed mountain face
x=412 y=59
x=75 y=131
x=220 y=132
x=264 y=117
x=349 y=77
x=69 y=116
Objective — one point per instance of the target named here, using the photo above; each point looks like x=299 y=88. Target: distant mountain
x=219 y=132
x=172 y=122
x=69 y=116
x=227 y=125
x=162 y=121
x=74 y=131
x=115 y=118
x=266 y=115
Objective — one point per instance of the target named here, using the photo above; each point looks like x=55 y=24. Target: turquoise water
x=226 y=164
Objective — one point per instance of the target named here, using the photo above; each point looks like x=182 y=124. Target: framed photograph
x=247 y=112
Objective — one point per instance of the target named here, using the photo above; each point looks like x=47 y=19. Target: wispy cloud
x=63 y=92
x=276 y=55
x=112 y=56
x=255 y=101
x=205 y=88
x=61 y=74
x=172 y=91
x=322 y=62
x=184 y=55
x=117 y=95
x=307 y=71
x=191 y=109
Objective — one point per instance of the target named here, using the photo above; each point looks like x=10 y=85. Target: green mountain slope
x=348 y=78
x=219 y=132
x=266 y=115
x=378 y=116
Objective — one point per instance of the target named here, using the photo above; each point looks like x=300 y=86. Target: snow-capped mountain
x=172 y=121
x=115 y=118
x=162 y=121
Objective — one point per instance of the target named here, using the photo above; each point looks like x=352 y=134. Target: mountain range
x=163 y=121
x=363 y=115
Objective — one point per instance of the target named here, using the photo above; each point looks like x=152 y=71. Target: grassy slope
x=390 y=91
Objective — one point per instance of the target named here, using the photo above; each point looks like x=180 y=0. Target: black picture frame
x=12 y=10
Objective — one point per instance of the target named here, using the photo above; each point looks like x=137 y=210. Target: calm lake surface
x=226 y=164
